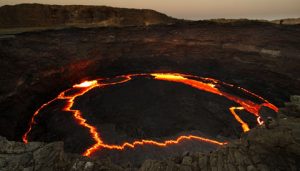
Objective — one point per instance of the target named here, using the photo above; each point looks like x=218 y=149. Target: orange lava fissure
x=208 y=85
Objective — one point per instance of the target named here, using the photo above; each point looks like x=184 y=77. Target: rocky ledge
x=272 y=146
x=40 y=15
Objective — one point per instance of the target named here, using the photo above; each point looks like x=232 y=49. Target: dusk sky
x=195 y=9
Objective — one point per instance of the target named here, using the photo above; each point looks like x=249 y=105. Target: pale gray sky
x=195 y=9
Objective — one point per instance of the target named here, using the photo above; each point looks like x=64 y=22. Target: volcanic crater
x=42 y=72
x=159 y=114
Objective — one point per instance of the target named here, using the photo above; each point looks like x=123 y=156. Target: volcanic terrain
x=44 y=96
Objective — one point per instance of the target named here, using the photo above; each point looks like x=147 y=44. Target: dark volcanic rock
x=275 y=148
x=266 y=112
x=292 y=107
x=38 y=15
x=41 y=156
x=35 y=67
x=142 y=108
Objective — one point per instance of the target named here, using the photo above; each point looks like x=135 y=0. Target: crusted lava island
x=102 y=88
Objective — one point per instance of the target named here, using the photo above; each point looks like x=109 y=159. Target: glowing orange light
x=167 y=76
x=212 y=85
x=162 y=144
x=32 y=122
x=86 y=86
x=194 y=83
x=236 y=116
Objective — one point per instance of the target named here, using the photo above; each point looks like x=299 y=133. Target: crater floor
x=135 y=117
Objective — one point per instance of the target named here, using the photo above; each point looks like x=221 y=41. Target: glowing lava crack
x=205 y=84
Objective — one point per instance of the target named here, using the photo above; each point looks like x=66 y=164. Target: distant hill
x=38 y=15
x=288 y=21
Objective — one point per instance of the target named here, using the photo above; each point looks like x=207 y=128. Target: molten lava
x=206 y=84
x=236 y=116
x=86 y=84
